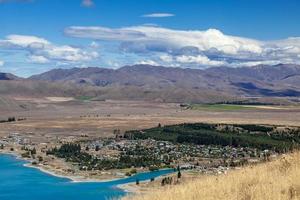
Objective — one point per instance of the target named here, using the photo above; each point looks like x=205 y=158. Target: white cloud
x=1 y=63
x=154 y=46
x=42 y=51
x=102 y=33
x=210 y=47
x=199 y=59
x=25 y=41
x=158 y=15
x=190 y=59
x=162 y=38
x=67 y=53
x=147 y=62
x=38 y=59
x=166 y=58
x=113 y=64
x=255 y=63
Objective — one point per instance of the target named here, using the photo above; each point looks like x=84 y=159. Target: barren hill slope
x=163 y=84
x=279 y=80
x=273 y=180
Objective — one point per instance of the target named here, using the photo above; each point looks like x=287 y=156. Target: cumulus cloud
x=172 y=39
x=66 y=53
x=41 y=50
x=24 y=40
x=1 y=63
x=210 y=47
x=255 y=63
x=154 y=45
x=38 y=59
x=158 y=15
x=199 y=59
x=166 y=58
x=147 y=62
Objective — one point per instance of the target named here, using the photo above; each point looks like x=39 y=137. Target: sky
x=40 y=35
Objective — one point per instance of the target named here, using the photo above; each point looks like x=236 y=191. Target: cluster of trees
x=71 y=152
x=131 y=172
x=255 y=136
x=133 y=158
x=10 y=119
x=140 y=156
x=167 y=181
x=26 y=155
x=255 y=128
x=32 y=151
x=29 y=153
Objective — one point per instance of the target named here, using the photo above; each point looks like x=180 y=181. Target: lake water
x=23 y=183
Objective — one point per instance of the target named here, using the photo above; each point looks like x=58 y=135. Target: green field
x=215 y=107
x=84 y=98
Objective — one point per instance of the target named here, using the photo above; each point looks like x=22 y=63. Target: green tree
x=97 y=148
x=33 y=151
x=179 y=174
x=40 y=158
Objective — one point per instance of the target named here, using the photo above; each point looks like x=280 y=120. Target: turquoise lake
x=18 y=182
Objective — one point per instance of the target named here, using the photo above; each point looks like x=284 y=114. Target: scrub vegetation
x=275 y=180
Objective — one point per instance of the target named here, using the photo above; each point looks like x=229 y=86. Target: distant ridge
x=262 y=80
x=279 y=83
x=8 y=76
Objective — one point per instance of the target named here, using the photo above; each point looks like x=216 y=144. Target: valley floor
x=50 y=121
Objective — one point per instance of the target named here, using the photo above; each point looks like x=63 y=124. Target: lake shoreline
x=75 y=179
x=125 y=187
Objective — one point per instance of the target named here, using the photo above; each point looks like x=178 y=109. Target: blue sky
x=39 y=35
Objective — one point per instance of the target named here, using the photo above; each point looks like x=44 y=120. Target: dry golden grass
x=276 y=180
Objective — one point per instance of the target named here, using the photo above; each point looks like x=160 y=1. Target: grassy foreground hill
x=275 y=180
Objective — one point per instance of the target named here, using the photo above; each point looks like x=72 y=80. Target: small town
x=132 y=155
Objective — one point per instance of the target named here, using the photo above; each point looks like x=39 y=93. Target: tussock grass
x=275 y=180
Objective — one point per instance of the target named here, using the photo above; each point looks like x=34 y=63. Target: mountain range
x=158 y=83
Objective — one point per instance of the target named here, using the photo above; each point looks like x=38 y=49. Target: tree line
x=248 y=135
